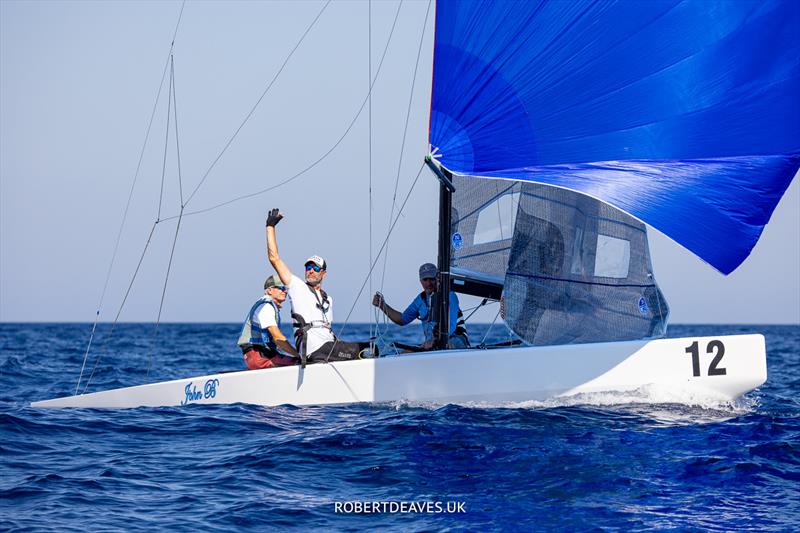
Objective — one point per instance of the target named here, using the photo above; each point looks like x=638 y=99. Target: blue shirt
x=419 y=309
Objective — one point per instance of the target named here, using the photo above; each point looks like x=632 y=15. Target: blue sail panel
x=684 y=114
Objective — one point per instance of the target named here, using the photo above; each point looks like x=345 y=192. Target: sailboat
x=558 y=133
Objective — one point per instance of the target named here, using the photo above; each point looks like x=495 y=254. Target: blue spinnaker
x=685 y=114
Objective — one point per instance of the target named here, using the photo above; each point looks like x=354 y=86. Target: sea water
x=634 y=461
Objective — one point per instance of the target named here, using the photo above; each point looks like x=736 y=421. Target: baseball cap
x=274 y=281
x=317 y=260
x=428 y=270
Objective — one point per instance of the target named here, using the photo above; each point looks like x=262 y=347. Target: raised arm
x=275 y=260
x=393 y=314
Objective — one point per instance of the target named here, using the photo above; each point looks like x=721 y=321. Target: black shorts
x=339 y=351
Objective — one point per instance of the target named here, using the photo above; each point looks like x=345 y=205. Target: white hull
x=469 y=376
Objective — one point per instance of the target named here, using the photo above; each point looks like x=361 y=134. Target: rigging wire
x=130 y=197
x=119 y=311
x=163 y=294
x=377 y=257
x=321 y=158
x=177 y=226
x=405 y=131
x=166 y=139
x=260 y=98
x=369 y=135
x=177 y=140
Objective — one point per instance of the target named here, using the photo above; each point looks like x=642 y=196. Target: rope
x=372 y=267
x=260 y=98
x=475 y=309
x=130 y=197
x=405 y=132
x=483 y=340
x=320 y=159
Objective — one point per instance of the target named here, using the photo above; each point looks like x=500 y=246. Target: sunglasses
x=315 y=268
x=284 y=289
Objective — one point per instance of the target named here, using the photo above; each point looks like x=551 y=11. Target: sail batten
x=684 y=115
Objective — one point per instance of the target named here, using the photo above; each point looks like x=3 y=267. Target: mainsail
x=683 y=114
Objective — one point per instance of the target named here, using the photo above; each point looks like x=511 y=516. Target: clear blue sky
x=77 y=85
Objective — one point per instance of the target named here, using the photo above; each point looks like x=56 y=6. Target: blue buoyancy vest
x=429 y=324
x=253 y=332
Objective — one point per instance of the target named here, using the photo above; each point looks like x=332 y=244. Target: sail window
x=612 y=258
x=573 y=270
x=496 y=220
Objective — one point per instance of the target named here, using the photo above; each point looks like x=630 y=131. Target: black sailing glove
x=274 y=217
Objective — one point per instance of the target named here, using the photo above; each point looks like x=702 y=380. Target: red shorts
x=255 y=361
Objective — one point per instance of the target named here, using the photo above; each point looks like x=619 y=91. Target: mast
x=442 y=310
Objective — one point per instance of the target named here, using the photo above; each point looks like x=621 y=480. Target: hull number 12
x=717 y=348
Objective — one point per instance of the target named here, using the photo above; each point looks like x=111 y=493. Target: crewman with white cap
x=312 y=308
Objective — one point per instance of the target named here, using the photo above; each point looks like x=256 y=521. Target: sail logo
x=209 y=390
x=643 y=306
x=458 y=241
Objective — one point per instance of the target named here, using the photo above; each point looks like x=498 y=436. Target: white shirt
x=266 y=316
x=305 y=301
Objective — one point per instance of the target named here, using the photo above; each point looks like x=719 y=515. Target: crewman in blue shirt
x=420 y=309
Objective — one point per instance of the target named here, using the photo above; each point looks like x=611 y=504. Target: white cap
x=317 y=260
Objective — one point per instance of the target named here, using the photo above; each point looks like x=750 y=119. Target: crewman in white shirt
x=261 y=340
x=312 y=308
